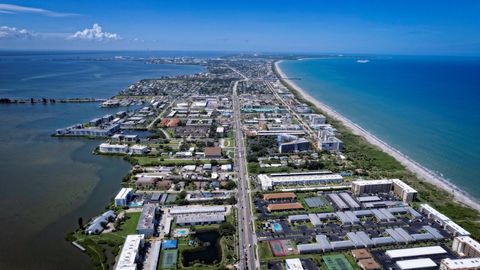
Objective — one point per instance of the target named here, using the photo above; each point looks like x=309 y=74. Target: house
x=213 y=152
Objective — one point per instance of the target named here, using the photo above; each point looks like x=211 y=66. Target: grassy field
x=95 y=244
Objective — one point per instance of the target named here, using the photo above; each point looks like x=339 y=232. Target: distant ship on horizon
x=363 y=61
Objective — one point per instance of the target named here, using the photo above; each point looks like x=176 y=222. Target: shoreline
x=419 y=170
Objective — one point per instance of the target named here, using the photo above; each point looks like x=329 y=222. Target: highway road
x=246 y=234
x=312 y=134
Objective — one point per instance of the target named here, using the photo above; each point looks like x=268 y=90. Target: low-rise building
x=123 y=196
x=447 y=224
x=399 y=188
x=147 y=220
x=369 y=264
x=327 y=140
x=421 y=263
x=213 y=152
x=284 y=196
x=196 y=209
x=303 y=178
x=293 y=264
x=284 y=207
x=317 y=119
x=200 y=219
x=98 y=224
x=131 y=252
x=465 y=246
x=113 y=148
x=297 y=145
x=460 y=264
x=414 y=252
x=139 y=149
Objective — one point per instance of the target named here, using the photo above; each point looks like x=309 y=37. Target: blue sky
x=392 y=27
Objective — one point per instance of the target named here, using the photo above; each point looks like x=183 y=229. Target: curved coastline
x=422 y=172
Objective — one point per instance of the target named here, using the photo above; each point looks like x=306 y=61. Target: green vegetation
x=254 y=168
x=160 y=161
x=106 y=245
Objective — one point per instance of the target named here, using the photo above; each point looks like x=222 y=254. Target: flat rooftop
x=414 y=252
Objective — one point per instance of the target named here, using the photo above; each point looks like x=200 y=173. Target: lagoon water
x=47 y=183
x=426 y=107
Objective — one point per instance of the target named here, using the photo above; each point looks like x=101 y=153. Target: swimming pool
x=135 y=204
x=277 y=227
x=181 y=232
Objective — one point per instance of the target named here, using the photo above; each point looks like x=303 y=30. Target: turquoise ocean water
x=426 y=107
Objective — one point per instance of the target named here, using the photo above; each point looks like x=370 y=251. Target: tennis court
x=337 y=262
x=277 y=248
x=169 y=259
x=313 y=202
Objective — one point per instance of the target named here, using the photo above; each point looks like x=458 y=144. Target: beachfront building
x=460 y=264
x=327 y=140
x=297 y=145
x=300 y=178
x=443 y=220
x=130 y=254
x=317 y=119
x=398 y=187
x=147 y=220
x=123 y=196
x=113 y=148
x=465 y=246
x=404 y=191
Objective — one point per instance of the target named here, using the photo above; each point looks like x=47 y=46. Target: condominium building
x=123 y=197
x=130 y=254
x=147 y=220
x=465 y=246
x=399 y=188
x=113 y=148
x=303 y=178
x=297 y=145
x=460 y=264
x=447 y=224
x=327 y=140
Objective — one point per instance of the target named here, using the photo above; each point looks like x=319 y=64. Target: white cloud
x=14 y=9
x=95 y=33
x=15 y=33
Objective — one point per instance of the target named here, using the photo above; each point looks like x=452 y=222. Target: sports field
x=337 y=262
x=277 y=248
x=169 y=259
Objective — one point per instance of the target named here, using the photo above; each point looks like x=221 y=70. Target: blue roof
x=169 y=244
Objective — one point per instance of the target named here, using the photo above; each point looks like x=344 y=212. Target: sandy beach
x=413 y=166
